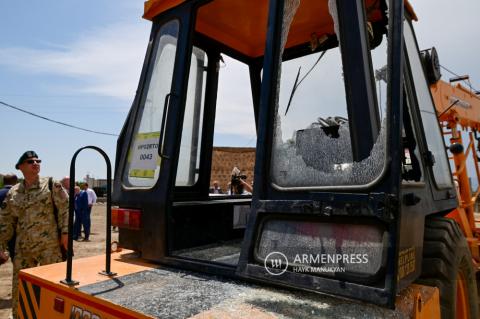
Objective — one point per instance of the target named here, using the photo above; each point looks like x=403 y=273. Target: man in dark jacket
x=8 y=181
x=81 y=211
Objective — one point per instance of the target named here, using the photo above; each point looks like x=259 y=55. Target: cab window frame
x=422 y=140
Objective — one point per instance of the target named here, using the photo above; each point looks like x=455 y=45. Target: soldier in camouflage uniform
x=28 y=210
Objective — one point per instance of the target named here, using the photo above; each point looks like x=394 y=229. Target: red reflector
x=126 y=218
x=59 y=305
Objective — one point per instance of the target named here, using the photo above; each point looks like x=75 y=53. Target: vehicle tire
x=447 y=265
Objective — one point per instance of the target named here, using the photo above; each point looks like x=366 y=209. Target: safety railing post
x=71 y=208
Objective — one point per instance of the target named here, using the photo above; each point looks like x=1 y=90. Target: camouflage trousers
x=28 y=260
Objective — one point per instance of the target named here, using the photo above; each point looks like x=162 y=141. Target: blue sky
x=79 y=62
x=73 y=61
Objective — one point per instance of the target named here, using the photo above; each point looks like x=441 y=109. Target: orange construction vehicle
x=354 y=211
x=458 y=109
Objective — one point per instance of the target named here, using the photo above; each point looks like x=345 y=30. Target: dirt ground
x=82 y=249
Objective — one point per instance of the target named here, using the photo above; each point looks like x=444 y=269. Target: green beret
x=25 y=156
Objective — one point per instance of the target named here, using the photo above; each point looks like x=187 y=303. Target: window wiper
x=297 y=83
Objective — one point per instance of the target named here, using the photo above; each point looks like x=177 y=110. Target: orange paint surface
x=242 y=25
x=86 y=270
x=77 y=304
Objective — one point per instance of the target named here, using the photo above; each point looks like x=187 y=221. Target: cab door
x=146 y=148
x=323 y=152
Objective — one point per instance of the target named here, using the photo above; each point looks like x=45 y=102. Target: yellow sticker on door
x=143 y=156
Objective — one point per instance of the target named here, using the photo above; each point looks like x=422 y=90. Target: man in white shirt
x=92 y=199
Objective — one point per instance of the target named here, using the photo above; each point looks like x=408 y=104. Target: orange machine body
x=458 y=109
x=237 y=24
x=43 y=296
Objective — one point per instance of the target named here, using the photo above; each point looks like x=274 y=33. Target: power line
x=49 y=95
x=468 y=83
x=54 y=121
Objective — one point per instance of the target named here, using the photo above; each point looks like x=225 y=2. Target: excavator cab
x=350 y=161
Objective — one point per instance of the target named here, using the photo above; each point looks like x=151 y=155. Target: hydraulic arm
x=458 y=109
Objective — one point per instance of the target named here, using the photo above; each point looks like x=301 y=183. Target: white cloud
x=107 y=61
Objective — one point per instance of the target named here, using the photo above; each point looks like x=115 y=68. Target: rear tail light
x=126 y=218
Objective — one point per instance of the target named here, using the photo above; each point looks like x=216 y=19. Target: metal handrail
x=71 y=207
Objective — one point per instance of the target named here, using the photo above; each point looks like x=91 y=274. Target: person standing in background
x=215 y=189
x=8 y=180
x=81 y=208
x=92 y=199
x=66 y=183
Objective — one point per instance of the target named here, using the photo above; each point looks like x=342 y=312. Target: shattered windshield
x=312 y=144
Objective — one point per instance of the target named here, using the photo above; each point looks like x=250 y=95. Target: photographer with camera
x=238 y=184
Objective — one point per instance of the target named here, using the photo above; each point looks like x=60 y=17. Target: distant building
x=224 y=159
x=98 y=185
x=93 y=182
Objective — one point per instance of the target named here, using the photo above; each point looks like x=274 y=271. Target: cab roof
x=241 y=25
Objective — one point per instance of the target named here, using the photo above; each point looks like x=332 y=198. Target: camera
x=235 y=180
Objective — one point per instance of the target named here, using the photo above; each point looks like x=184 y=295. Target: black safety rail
x=107 y=272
